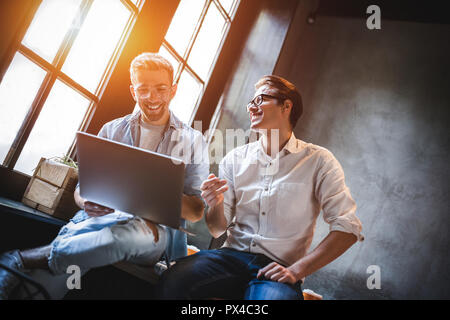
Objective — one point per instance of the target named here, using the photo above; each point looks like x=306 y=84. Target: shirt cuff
x=349 y=225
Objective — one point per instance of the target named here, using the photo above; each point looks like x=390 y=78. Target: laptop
x=130 y=179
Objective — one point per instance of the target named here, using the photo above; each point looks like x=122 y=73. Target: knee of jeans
x=175 y=283
x=61 y=256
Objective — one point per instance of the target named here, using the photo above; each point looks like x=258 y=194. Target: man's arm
x=339 y=211
x=78 y=199
x=215 y=220
x=212 y=192
x=334 y=245
x=192 y=208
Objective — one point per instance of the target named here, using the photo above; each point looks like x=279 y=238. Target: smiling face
x=272 y=113
x=153 y=91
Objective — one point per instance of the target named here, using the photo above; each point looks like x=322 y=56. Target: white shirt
x=274 y=203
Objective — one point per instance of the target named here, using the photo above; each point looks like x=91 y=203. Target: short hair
x=287 y=90
x=150 y=61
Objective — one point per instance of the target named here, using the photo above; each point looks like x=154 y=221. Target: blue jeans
x=223 y=273
x=90 y=242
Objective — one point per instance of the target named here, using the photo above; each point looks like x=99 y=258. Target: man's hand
x=213 y=189
x=96 y=210
x=335 y=244
x=212 y=192
x=91 y=208
x=192 y=208
x=276 y=272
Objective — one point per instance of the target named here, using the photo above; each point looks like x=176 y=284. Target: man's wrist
x=214 y=208
x=81 y=203
x=299 y=269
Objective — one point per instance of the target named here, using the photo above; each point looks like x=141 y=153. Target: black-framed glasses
x=260 y=98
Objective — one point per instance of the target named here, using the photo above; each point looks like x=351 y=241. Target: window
x=56 y=77
x=192 y=43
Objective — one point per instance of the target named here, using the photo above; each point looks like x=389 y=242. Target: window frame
x=54 y=72
x=183 y=60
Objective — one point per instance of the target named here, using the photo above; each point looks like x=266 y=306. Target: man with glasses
x=267 y=198
x=99 y=236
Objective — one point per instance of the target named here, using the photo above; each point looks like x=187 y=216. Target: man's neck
x=163 y=121
x=274 y=140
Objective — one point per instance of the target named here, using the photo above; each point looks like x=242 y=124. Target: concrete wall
x=379 y=100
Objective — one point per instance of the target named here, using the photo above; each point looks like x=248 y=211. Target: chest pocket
x=290 y=207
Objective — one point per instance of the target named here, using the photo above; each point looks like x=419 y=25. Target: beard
x=154 y=114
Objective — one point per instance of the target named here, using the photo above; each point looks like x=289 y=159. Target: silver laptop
x=129 y=179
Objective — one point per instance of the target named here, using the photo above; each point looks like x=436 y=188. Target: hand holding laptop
x=91 y=208
x=96 y=210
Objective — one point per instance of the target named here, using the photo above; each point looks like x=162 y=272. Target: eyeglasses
x=260 y=98
x=146 y=92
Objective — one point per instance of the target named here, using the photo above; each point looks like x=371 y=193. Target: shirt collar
x=174 y=122
x=293 y=145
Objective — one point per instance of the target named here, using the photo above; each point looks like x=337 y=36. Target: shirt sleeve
x=229 y=202
x=103 y=133
x=197 y=169
x=335 y=199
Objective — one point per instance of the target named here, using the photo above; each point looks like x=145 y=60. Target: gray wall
x=379 y=101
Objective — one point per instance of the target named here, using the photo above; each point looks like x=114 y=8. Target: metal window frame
x=183 y=60
x=54 y=73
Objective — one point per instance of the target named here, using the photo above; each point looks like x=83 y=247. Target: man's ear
x=287 y=105
x=173 y=90
x=133 y=94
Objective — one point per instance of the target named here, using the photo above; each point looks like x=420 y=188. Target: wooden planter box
x=51 y=189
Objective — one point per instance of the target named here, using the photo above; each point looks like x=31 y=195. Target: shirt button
x=263 y=213
x=253 y=244
x=266 y=189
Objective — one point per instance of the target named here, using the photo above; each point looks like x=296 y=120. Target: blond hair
x=150 y=61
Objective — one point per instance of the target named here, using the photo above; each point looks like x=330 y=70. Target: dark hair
x=287 y=91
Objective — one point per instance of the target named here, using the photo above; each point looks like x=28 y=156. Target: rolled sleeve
x=335 y=199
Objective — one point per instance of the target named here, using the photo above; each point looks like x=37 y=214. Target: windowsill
x=23 y=210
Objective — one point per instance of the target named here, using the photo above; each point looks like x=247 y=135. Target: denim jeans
x=223 y=273
x=90 y=242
